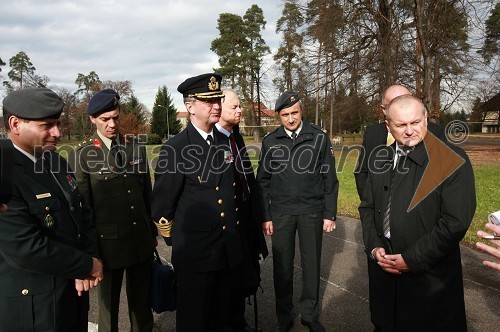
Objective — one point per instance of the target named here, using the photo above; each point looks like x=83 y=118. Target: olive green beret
x=34 y=104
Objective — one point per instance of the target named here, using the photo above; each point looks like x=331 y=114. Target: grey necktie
x=387 y=214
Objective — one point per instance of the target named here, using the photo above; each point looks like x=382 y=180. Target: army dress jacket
x=298 y=177
x=430 y=296
x=195 y=190
x=47 y=240
x=120 y=198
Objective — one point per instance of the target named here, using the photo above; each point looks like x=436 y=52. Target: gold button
x=222 y=214
x=129 y=191
x=224 y=227
x=234 y=184
x=132 y=207
x=238 y=222
x=217 y=188
x=125 y=175
x=71 y=209
x=102 y=236
x=219 y=201
x=24 y=292
x=47 y=209
x=105 y=178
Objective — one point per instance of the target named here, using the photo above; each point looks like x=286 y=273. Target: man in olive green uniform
x=113 y=175
x=47 y=240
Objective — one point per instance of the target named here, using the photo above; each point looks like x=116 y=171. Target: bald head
x=406 y=120
x=392 y=92
x=231 y=110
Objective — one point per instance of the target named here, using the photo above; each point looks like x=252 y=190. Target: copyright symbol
x=457 y=131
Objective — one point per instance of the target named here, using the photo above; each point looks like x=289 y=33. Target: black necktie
x=294 y=136
x=240 y=174
x=210 y=140
x=387 y=214
x=115 y=151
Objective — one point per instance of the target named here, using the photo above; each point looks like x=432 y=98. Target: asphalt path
x=344 y=288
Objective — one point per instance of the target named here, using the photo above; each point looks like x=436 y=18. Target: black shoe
x=284 y=327
x=313 y=326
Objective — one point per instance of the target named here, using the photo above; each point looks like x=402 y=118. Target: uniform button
x=236 y=209
x=47 y=209
x=25 y=291
x=234 y=197
x=238 y=222
x=219 y=201
x=224 y=227
x=102 y=236
x=134 y=223
x=222 y=214
x=217 y=188
x=125 y=175
x=71 y=209
x=131 y=207
x=78 y=236
x=129 y=191
x=385 y=188
x=378 y=211
x=234 y=184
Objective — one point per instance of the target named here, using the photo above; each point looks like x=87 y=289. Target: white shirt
x=297 y=131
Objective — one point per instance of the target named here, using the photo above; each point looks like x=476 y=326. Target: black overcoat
x=46 y=242
x=376 y=136
x=195 y=188
x=430 y=296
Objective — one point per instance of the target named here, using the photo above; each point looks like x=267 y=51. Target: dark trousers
x=310 y=230
x=202 y=301
x=138 y=284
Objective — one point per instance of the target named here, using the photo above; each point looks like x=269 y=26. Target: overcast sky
x=151 y=43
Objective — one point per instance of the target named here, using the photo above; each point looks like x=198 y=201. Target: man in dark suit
x=47 y=240
x=299 y=188
x=113 y=175
x=378 y=135
x=417 y=206
x=247 y=275
x=194 y=207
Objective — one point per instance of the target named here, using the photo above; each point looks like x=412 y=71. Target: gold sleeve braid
x=164 y=227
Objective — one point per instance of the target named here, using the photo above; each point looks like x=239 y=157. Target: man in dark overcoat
x=247 y=275
x=418 y=204
x=113 y=174
x=298 y=186
x=48 y=250
x=194 y=207
x=377 y=135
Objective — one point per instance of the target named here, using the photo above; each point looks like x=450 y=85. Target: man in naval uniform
x=194 y=206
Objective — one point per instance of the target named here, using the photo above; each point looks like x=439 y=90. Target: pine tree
x=164 y=109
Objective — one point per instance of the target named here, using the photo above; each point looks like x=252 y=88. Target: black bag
x=163 y=286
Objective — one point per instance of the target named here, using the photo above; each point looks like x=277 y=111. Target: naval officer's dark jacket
x=298 y=177
x=430 y=296
x=46 y=242
x=195 y=190
x=120 y=197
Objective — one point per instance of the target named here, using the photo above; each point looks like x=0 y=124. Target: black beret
x=287 y=99
x=105 y=100
x=34 y=104
x=203 y=87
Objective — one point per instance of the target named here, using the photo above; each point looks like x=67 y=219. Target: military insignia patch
x=213 y=84
x=136 y=161
x=97 y=143
x=48 y=221
x=228 y=157
x=71 y=182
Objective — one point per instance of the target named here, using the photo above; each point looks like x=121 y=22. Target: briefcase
x=163 y=286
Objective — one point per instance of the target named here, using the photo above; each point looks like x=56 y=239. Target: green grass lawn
x=487 y=190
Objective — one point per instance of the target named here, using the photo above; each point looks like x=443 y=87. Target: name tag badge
x=136 y=161
x=105 y=171
x=40 y=196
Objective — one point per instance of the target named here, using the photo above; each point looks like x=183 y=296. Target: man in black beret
x=48 y=244
x=113 y=175
x=299 y=188
x=194 y=207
